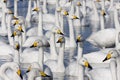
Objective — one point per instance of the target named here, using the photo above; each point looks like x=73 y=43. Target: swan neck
x=3 y=20
x=17 y=57
x=57 y=19
x=116 y=20
x=72 y=36
x=102 y=22
x=72 y=8
x=94 y=8
x=15 y=8
x=61 y=55
x=23 y=34
x=28 y=17
x=80 y=50
x=53 y=47
x=41 y=57
x=84 y=8
x=62 y=22
x=81 y=71
x=45 y=6
x=40 y=24
x=103 y=4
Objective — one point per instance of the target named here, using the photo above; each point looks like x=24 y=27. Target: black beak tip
x=31 y=46
x=27 y=71
x=90 y=67
x=12 y=35
x=104 y=59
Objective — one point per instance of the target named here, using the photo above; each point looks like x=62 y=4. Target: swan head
x=15 y=21
x=79 y=38
x=19 y=27
x=15 y=33
x=9 y=11
x=103 y=13
x=61 y=39
x=74 y=17
x=84 y=62
x=17 y=46
x=36 y=9
x=5 y=1
x=79 y=4
x=98 y=1
x=59 y=9
x=57 y=30
x=37 y=43
x=16 y=68
x=64 y=12
x=111 y=54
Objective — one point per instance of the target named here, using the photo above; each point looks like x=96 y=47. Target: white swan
x=58 y=65
x=16 y=73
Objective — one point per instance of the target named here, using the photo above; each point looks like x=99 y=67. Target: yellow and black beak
x=29 y=69
x=17 y=46
x=4 y=1
x=19 y=73
x=103 y=13
x=60 y=40
x=14 y=34
x=86 y=64
x=10 y=12
x=78 y=39
x=79 y=4
x=74 y=17
x=16 y=22
x=59 y=32
x=35 y=44
x=36 y=9
x=98 y=1
x=107 y=57
x=65 y=13
x=14 y=17
x=44 y=74
x=20 y=29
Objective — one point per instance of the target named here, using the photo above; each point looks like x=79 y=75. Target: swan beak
x=16 y=22
x=29 y=69
x=79 y=4
x=59 y=9
x=60 y=40
x=36 y=9
x=74 y=17
x=98 y=1
x=20 y=29
x=65 y=13
x=19 y=73
x=14 y=34
x=103 y=13
x=43 y=74
x=107 y=57
x=78 y=39
x=14 y=17
x=10 y=12
x=17 y=46
x=59 y=32
x=5 y=1
x=35 y=44
x=86 y=64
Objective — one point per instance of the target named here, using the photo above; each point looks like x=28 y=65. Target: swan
x=34 y=70
x=103 y=35
x=114 y=56
x=59 y=68
x=16 y=72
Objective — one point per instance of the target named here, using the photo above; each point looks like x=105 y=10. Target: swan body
x=102 y=38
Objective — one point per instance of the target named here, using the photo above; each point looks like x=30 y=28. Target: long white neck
x=103 y=4
x=81 y=72
x=17 y=57
x=102 y=22
x=41 y=57
x=15 y=8
x=111 y=4
x=40 y=24
x=118 y=67
x=4 y=27
x=28 y=16
x=53 y=50
x=72 y=8
x=20 y=43
x=116 y=20
x=45 y=6
x=24 y=33
x=38 y=3
x=61 y=57
x=113 y=69
x=3 y=69
x=34 y=3
x=11 y=42
x=72 y=36
x=62 y=22
x=84 y=8
x=95 y=10
x=80 y=50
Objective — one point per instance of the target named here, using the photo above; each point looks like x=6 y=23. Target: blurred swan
x=15 y=74
x=58 y=65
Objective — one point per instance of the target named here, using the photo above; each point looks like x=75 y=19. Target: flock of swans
x=36 y=46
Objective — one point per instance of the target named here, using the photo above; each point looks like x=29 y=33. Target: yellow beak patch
x=86 y=64
x=65 y=13
x=19 y=72
x=108 y=55
x=42 y=74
